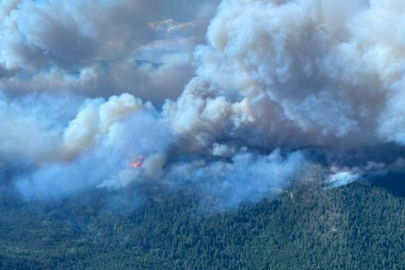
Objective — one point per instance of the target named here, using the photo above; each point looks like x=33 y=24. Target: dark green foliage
x=361 y=226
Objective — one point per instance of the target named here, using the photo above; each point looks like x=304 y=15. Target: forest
x=358 y=226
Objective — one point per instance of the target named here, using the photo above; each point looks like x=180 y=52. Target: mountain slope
x=360 y=226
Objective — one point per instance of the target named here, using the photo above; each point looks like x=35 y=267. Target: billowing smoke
x=276 y=82
x=294 y=73
x=101 y=48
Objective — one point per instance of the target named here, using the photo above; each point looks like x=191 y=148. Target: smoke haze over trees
x=235 y=97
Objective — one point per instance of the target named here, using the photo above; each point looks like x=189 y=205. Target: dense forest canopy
x=359 y=226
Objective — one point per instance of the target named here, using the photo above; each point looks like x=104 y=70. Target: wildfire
x=138 y=164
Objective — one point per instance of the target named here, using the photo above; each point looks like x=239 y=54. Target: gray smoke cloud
x=96 y=100
x=100 y=48
x=296 y=73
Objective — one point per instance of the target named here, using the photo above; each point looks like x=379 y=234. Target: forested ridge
x=359 y=226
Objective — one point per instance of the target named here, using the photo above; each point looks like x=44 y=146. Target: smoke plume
x=93 y=94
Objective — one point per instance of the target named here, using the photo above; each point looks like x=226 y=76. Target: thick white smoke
x=294 y=73
x=105 y=158
x=93 y=142
x=275 y=74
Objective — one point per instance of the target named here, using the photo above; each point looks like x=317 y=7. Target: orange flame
x=138 y=164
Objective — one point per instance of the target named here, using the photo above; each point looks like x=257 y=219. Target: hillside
x=360 y=226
